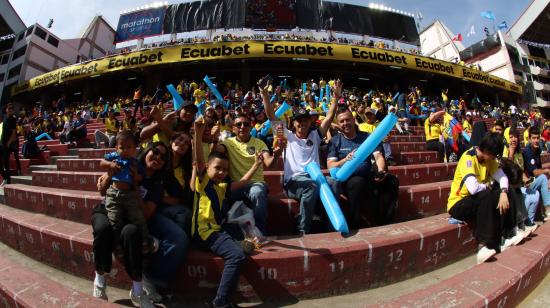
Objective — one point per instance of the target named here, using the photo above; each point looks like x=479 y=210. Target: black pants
x=6 y=152
x=481 y=208
x=435 y=145
x=379 y=197
x=76 y=134
x=106 y=240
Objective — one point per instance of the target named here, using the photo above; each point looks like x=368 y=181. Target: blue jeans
x=387 y=150
x=541 y=184
x=255 y=193
x=532 y=198
x=173 y=247
x=223 y=245
x=180 y=214
x=304 y=189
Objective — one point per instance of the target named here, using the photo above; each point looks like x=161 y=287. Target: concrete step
x=21 y=285
x=288 y=267
x=53 y=159
x=42 y=168
x=504 y=282
x=21 y=179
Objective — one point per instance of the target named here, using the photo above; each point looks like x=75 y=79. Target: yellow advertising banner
x=263 y=49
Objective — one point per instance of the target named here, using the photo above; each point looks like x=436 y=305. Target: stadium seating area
x=45 y=215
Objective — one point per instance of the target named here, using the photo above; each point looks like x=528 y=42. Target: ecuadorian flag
x=452 y=129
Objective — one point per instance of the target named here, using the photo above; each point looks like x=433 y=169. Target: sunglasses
x=242 y=124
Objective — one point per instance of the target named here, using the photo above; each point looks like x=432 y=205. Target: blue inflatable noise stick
x=466 y=136
x=395 y=96
x=330 y=204
x=365 y=149
x=281 y=110
x=322 y=93
x=304 y=88
x=213 y=88
x=43 y=135
x=284 y=84
x=201 y=106
x=178 y=100
x=327 y=91
x=278 y=114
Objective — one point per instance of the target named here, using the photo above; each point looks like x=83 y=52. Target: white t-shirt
x=300 y=152
x=513 y=109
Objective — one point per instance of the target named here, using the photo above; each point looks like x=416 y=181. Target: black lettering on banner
x=438 y=67
x=51 y=77
x=69 y=73
x=222 y=51
x=135 y=60
x=383 y=57
x=300 y=50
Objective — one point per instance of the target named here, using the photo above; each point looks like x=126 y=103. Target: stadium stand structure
x=46 y=216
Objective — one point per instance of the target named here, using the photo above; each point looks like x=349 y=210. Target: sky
x=71 y=16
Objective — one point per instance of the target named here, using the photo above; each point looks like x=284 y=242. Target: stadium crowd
x=174 y=175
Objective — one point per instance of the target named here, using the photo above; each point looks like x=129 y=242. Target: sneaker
x=513 y=241
x=100 y=292
x=485 y=254
x=247 y=246
x=151 y=291
x=142 y=300
x=530 y=229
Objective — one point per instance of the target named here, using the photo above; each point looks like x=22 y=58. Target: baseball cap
x=468 y=113
x=300 y=114
x=188 y=103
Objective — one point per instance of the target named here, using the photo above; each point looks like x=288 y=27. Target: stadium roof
x=534 y=23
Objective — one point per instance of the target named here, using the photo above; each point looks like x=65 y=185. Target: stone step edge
x=22 y=287
x=516 y=272
x=366 y=251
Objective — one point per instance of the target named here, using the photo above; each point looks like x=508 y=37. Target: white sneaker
x=142 y=300
x=485 y=254
x=100 y=292
x=531 y=229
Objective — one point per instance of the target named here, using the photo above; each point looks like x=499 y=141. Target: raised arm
x=336 y=94
x=248 y=175
x=268 y=107
x=435 y=115
x=197 y=146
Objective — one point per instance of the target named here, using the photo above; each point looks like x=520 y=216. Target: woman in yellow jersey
x=433 y=128
x=473 y=196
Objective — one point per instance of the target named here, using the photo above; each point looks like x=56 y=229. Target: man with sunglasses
x=303 y=148
x=242 y=151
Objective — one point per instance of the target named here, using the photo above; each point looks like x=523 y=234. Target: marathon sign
x=140 y=24
x=221 y=51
